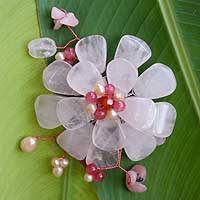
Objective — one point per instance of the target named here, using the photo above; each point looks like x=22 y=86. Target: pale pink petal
x=160 y=141
x=140 y=171
x=121 y=74
x=107 y=135
x=76 y=142
x=93 y=48
x=138 y=187
x=137 y=145
x=57 y=13
x=156 y=82
x=131 y=178
x=69 y=20
x=133 y=49
x=101 y=158
x=57 y=24
x=139 y=112
x=83 y=76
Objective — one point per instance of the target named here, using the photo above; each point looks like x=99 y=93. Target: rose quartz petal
x=76 y=142
x=94 y=49
x=101 y=158
x=139 y=112
x=130 y=179
x=156 y=82
x=83 y=76
x=57 y=24
x=107 y=135
x=71 y=113
x=160 y=141
x=140 y=171
x=134 y=50
x=54 y=78
x=69 y=20
x=138 y=187
x=45 y=109
x=137 y=145
x=164 y=121
x=121 y=74
x=57 y=13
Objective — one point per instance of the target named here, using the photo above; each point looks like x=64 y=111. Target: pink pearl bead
x=100 y=113
x=119 y=105
x=91 y=97
x=109 y=89
x=91 y=169
x=69 y=53
x=99 y=176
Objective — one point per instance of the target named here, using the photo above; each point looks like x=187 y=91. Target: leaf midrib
x=185 y=65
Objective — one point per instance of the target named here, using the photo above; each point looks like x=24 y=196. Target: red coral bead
x=119 y=105
x=69 y=53
x=91 y=169
x=91 y=97
x=100 y=113
x=99 y=176
x=109 y=89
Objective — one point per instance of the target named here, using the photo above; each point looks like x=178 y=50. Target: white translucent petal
x=42 y=48
x=139 y=112
x=165 y=119
x=101 y=158
x=71 y=113
x=45 y=108
x=55 y=78
x=133 y=49
x=76 y=142
x=107 y=135
x=156 y=82
x=83 y=76
x=138 y=145
x=121 y=74
x=94 y=49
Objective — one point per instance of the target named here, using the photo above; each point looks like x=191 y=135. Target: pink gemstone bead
x=109 y=89
x=119 y=105
x=69 y=54
x=100 y=113
x=99 y=176
x=91 y=169
x=91 y=97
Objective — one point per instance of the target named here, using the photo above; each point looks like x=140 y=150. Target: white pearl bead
x=55 y=162
x=59 y=56
x=111 y=114
x=119 y=95
x=90 y=108
x=88 y=178
x=57 y=171
x=28 y=144
x=64 y=162
x=99 y=89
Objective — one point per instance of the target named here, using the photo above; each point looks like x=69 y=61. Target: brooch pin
x=105 y=115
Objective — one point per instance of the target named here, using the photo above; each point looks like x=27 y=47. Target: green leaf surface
x=171 y=29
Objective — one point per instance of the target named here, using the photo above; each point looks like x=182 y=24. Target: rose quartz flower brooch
x=105 y=108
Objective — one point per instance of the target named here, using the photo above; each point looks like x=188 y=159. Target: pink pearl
x=91 y=97
x=99 y=176
x=109 y=89
x=91 y=169
x=100 y=113
x=119 y=105
x=69 y=53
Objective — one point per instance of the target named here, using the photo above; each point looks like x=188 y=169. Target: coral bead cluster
x=105 y=101
x=93 y=174
x=58 y=165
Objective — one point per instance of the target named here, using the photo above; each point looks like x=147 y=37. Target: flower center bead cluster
x=105 y=101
